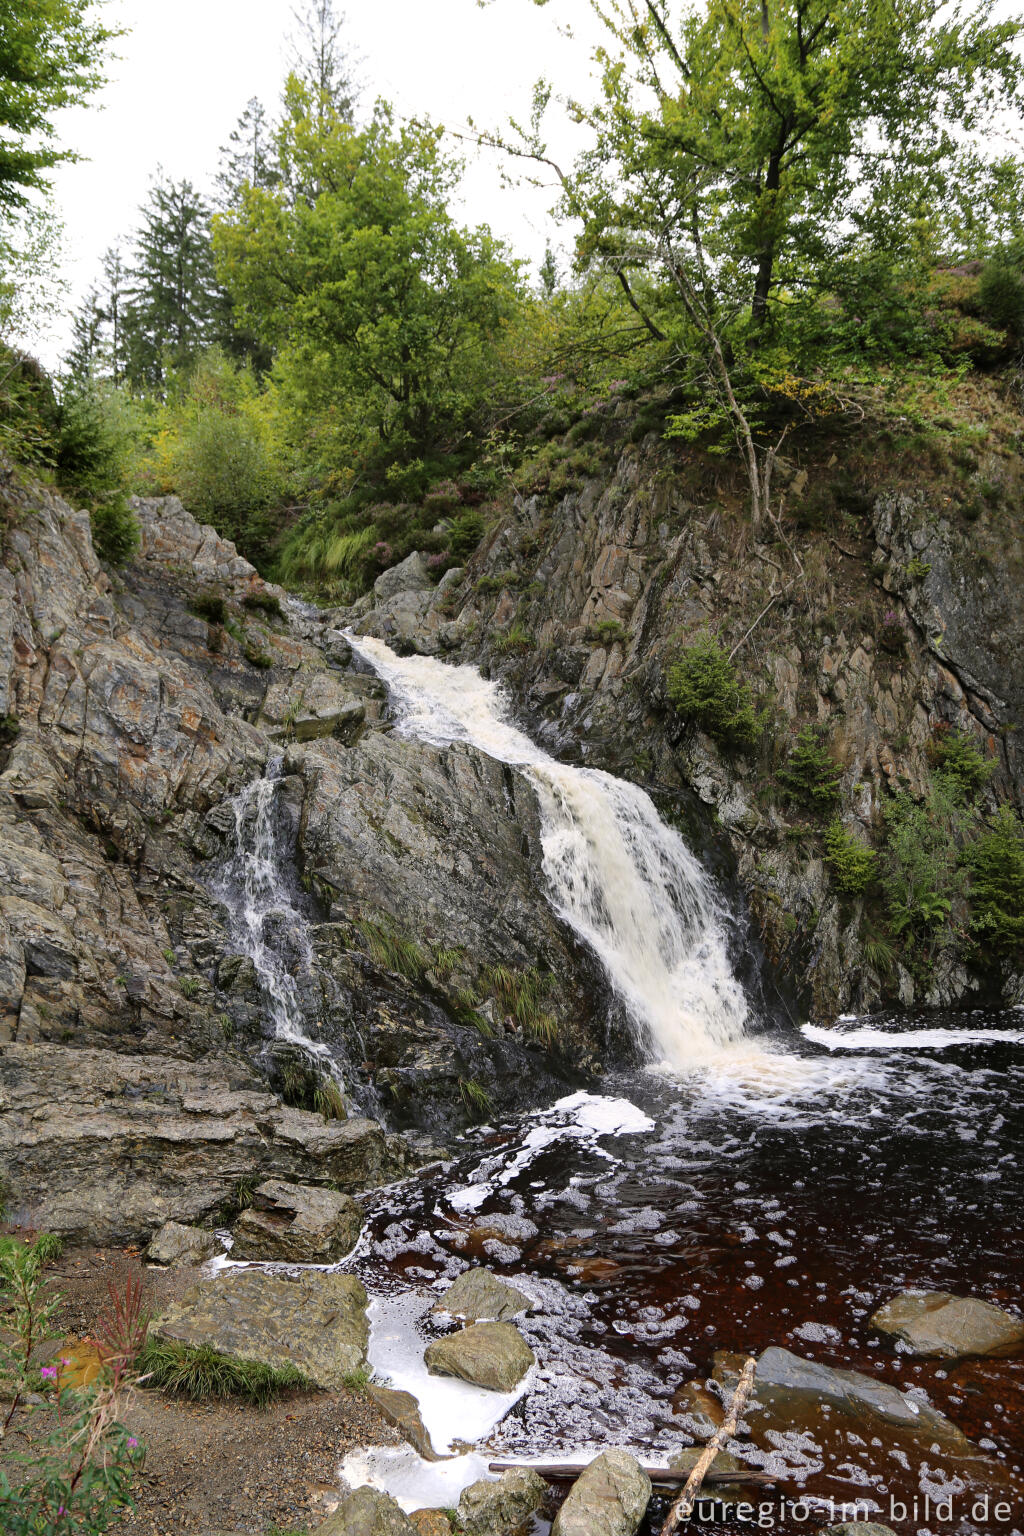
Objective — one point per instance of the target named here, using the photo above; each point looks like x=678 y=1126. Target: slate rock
x=178 y=1244
x=493 y=1355
x=610 y=1498
x=402 y=1412
x=367 y=1512
x=479 y=1296
x=938 y=1323
x=300 y=1222
x=502 y=1506
x=315 y=1322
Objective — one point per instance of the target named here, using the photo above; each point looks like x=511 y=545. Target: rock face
x=609 y=1499
x=316 y=1323
x=299 y=1222
x=478 y=1296
x=175 y=1244
x=493 y=1355
x=937 y=1323
x=367 y=1512
x=502 y=1507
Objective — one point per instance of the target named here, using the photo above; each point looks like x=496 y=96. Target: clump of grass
x=357 y=1381
x=198 y=1371
x=263 y=602
x=328 y=1099
x=475 y=1097
x=517 y=639
x=210 y=606
x=394 y=951
x=607 y=631
x=243 y=1193
x=188 y=986
x=521 y=994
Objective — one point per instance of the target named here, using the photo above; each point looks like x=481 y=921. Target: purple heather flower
x=132 y=1442
x=49 y=1371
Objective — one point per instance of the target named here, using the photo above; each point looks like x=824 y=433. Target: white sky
x=186 y=70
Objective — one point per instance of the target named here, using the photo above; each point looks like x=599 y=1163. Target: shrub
x=465 y=533
x=956 y=759
x=115 y=530
x=703 y=686
x=263 y=602
x=996 y=864
x=923 y=875
x=852 y=863
x=607 y=631
x=1001 y=292
x=198 y=1371
x=811 y=773
x=220 y=468
x=209 y=606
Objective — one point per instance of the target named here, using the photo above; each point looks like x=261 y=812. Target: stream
x=755 y=1186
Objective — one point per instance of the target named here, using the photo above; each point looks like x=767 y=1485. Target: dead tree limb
x=683 y=1507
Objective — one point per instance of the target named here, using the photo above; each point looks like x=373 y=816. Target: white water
x=257 y=895
x=621 y=878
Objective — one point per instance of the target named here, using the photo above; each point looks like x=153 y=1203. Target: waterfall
x=266 y=921
x=622 y=879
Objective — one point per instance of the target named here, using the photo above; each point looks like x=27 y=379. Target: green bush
x=198 y=1371
x=923 y=874
x=115 y=530
x=852 y=863
x=996 y=864
x=221 y=469
x=703 y=686
x=1001 y=292
x=95 y=452
x=811 y=773
x=209 y=606
x=465 y=533
x=956 y=759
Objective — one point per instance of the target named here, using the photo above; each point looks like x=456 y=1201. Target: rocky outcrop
x=297 y=1222
x=502 y=1506
x=402 y=1412
x=610 y=1498
x=177 y=1244
x=478 y=1296
x=939 y=1324
x=492 y=1355
x=315 y=1322
x=367 y=1512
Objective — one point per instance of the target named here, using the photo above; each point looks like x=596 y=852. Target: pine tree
x=85 y=359
x=176 y=306
x=248 y=158
x=548 y=273
x=320 y=61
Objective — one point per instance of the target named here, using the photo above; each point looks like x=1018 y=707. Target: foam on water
x=871 y=1037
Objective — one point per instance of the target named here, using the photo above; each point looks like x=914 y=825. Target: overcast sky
x=186 y=70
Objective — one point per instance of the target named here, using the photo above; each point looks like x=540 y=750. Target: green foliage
x=514 y=640
x=357 y=1381
x=264 y=602
x=465 y=533
x=521 y=994
x=851 y=863
x=880 y=954
x=956 y=760
x=811 y=774
x=394 y=951
x=475 y=1097
x=209 y=605
x=243 y=1192
x=703 y=686
x=922 y=873
x=996 y=864
x=1001 y=289
x=329 y=1099
x=188 y=986
x=200 y=1372
x=608 y=632
x=94 y=459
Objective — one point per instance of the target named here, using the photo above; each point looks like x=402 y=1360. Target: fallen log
x=569 y=1471
x=682 y=1509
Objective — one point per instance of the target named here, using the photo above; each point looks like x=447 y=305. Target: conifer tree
x=176 y=307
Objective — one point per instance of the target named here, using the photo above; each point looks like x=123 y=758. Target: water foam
x=622 y=879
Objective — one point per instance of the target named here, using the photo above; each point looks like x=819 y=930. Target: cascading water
x=265 y=918
x=620 y=877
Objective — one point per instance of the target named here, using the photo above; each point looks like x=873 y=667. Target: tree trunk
x=766 y=264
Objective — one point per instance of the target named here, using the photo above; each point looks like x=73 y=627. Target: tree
x=744 y=149
x=176 y=308
x=548 y=273
x=380 y=307
x=51 y=57
x=248 y=159
x=320 y=62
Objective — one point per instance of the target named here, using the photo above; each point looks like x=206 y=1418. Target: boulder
x=297 y=1222
x=310 y=706
x=937 y=1323
x=410 y=575
x=367 y=1512
x=402 y=1412
x=503 y=1506
x=315 y=1322
x=430 y=1522
x=609 y=1499
x=176 y=1244
x=493 y=1355
x=479 y=1296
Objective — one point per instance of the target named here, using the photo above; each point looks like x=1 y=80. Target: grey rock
x=298 y=1222
x=315 y=1322
x=501 y=1507
x=478 y=1296
x=402 y=1412
x=493 y=1355
x=410 y=575
x=309 y=706
x=175 y=1244
x=367 y=1512
x=610 y=1498
x=940 y=1324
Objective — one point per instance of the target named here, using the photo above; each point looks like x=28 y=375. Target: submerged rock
x=493 y=1355
x=316 y=1322
x=501 y=1507
x=367 y=1512
x=609 y=1499
x=402 y=1412
x=479 y=1296
x=177 y=1244
x=299 y=1222
x=721 y=1493
x=938 y=1323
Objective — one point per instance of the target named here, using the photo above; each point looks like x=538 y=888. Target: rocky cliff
x=141 y=1076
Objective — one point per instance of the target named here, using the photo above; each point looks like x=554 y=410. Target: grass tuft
x=198 y=1371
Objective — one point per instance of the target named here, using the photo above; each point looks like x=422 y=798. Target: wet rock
x=311 y=706
x=315 y=1322
x=503 y=1506
x=298 y=1222
x=176 y=1244
x=609 y=1499
x=700 y=1407
x=410 y=575
x=402 y=1412
x=493 y=1355
x=367 y=1512
x=478 y=1296
x=938 y=1323
x=154 y=1138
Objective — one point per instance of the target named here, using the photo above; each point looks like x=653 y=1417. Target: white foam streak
x=621 y=878
x=871 y=1038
